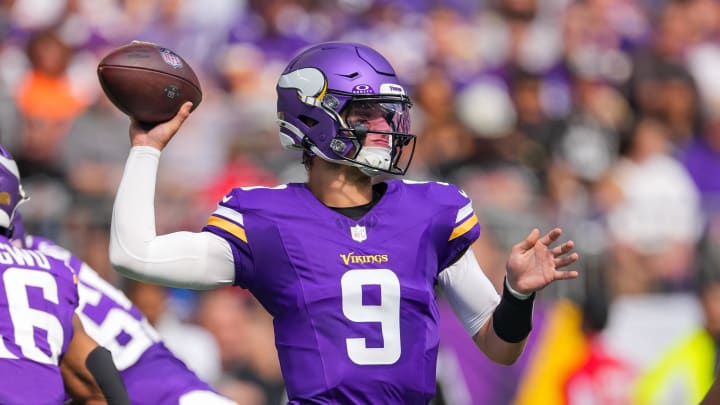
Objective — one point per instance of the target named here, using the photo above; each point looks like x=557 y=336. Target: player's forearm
x=89 y=373
x=503 y=338
x=100 y=364
x=180 y=259
x=495 y=348
x=134 y=203
x=473 y=300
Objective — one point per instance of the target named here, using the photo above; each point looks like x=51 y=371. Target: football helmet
x=326 y=95
x=11 y=191
x=17 y=231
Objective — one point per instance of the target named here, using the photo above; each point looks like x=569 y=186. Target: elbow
x=126 y=267
x=118 y=260
x=115 y=259
x=124 y=270
x=128 y=247
x=121 y=260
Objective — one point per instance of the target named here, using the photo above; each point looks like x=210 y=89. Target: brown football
x=148 y=82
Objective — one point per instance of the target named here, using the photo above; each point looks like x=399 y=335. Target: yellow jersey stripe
x=228 y=226
x=464 y=227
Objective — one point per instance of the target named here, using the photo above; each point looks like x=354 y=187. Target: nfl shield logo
x=358 y=233
x=170 y=58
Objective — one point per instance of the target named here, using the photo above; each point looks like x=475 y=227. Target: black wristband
x=512 y=319
x=100 y=364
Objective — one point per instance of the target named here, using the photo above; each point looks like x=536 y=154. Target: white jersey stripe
x=464 y=212
x=230 y=214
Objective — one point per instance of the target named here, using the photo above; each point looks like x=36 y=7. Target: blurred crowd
x=599 y=116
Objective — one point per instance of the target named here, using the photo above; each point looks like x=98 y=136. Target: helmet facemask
x=376 y=127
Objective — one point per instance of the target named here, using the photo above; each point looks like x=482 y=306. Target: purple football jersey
x=353 y=301
x=152 y=374
x=37 y=300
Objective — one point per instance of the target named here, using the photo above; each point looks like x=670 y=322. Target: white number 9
x=387 y=314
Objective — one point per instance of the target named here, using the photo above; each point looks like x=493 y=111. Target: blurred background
x=599 y=116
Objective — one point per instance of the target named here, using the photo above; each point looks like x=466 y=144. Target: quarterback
x=346 y=265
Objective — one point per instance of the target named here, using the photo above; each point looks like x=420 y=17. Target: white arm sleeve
x=469 y=292
x=197 y=260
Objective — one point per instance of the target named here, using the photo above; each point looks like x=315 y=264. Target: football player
x=346 y=265
x=43 y=346
x=152 y=374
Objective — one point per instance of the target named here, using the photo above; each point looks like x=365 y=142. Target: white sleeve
x=469 y=292
x=197 y=260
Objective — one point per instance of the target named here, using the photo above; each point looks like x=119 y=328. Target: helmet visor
x=378 y=116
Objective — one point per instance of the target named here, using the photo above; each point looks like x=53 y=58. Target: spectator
x=48 y=103
x=654 y=215
x=685 y=371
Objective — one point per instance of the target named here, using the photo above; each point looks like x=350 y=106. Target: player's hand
x=533 y=264
x=159 y=135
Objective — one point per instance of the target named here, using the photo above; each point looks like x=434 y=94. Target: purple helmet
x=11 y=192
x=327 y=83
x=18 y=233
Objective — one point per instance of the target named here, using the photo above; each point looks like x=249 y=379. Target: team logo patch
x=171 y=58
x=358 y=233
x=363 y=89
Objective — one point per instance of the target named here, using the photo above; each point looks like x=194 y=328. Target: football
x=148 y=82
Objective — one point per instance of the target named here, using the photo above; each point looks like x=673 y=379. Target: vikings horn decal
x=309 y=82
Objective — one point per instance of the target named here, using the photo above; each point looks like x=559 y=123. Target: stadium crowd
x=605 y=113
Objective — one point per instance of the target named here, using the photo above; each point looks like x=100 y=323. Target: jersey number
x=26 y=320
x=117 y=322
x=387 y=313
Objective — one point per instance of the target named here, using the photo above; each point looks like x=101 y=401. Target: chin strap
x=375 y=156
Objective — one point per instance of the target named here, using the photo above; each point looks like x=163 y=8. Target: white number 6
x=387 y=314
x=26 y=319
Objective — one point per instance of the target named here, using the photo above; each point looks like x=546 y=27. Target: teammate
x=42 y=342
x=152 y=374
x=347 y=268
